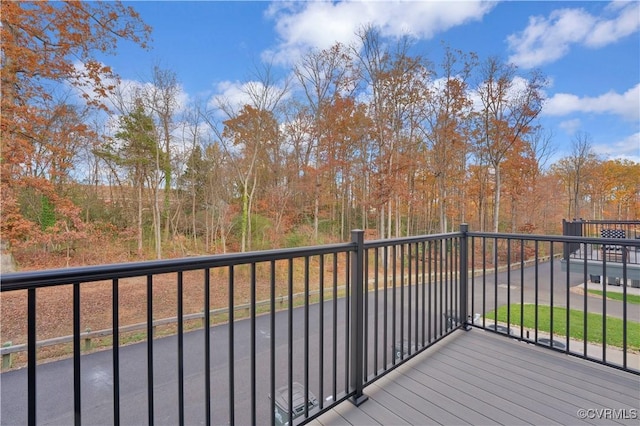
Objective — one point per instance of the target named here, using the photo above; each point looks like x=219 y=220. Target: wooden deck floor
x=480 y=378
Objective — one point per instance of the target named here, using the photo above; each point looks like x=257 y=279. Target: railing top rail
x=558 y=238
x=605 y=221
x=410 y=240
x=45 y=278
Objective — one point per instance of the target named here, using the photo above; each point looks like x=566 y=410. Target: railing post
x=565 y=246
x=357 y=317
x=464 y=278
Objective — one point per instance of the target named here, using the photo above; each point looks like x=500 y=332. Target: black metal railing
x=415 y=297
x=367 y=307
x=328 y=348
x=226 y=275
x=594 y=228
x=520 y=287
x=614 y=233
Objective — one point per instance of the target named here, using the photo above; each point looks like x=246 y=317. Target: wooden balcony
x=479 y=377
x=376 y=296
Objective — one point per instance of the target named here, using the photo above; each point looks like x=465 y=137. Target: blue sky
x=590 y=51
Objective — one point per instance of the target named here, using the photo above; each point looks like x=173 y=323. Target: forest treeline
x=372 y=136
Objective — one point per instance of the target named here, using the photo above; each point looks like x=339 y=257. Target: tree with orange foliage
x=575 y=172
x=520 y=170
x=623 y=180
x=399 y=90
x=345 y=127
x=446 y=133
x=250 y=137
x=323 y=75
x=252 y=132
x=47 y=46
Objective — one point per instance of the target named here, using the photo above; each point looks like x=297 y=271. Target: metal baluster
x=207 y=345
x=180 y=348
x=150 y=347
x=77 y=389
x=115 y=317
x=231 y=309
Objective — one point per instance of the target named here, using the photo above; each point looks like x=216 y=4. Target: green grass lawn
x=614 y=295
x=576 y=324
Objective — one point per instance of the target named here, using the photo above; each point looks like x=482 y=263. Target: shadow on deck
x=478 y=377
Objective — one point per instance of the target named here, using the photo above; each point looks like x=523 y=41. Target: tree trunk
x=157 y=223
x=496 y=198
x=316 y=207
x=140 y=219
x=245 y=218
x=193 y=215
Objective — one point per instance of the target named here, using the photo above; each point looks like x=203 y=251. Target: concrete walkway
x=609 y=287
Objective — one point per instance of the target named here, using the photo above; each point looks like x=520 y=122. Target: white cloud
x=571 y=126
x=125 y=92
x=610 y=30
x=547 y=39
x=626 y=105
x=231 y=93
x=231 y=96
x=304 y=25
x=627 y=148
x=514 y=91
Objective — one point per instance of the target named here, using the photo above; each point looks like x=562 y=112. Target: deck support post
x=357 y=317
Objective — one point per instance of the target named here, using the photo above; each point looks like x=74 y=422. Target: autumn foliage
x=367 y=136
x=50 y=83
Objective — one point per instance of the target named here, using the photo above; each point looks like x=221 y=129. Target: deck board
x=409 y=413
x=355 y=417
x=491 y=402
x=478 y=377
x=510 y=379
x=561 y=373
x=501 y=384
x=431 y=404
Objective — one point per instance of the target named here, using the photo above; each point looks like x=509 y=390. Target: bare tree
x=398 y=83
x=574 y=171
x=323 y=75
x=509 y=104
x=244 y=149
x=162 y=97
x=193 y=176
x=446 y=130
